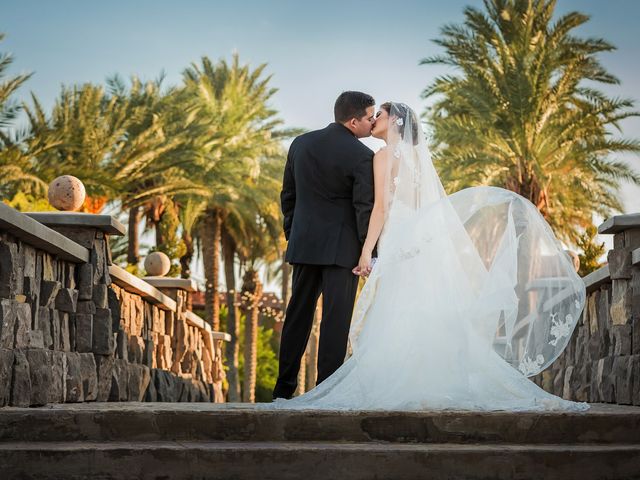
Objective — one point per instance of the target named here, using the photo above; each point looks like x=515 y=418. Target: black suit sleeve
x=363 y=194
x=288 y=194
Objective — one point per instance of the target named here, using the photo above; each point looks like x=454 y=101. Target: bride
x=470 y=294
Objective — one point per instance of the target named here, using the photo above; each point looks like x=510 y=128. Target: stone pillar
x=618 y=372
x=84 y=305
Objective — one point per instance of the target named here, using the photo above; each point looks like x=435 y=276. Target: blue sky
x=314 y=50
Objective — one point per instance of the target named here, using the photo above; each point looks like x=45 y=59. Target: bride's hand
x=364 y=264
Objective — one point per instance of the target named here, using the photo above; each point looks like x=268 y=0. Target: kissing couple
x=469 y=294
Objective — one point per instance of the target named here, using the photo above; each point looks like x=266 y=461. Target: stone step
x=137 y=422
x=315 y=460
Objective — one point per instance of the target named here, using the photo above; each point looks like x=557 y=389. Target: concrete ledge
x=620 y=223
x=106 y=223
x=635 y=256
x=38 y=235
x=186 y=284
x=196 y=321
x=594 y=280
x=133 y=284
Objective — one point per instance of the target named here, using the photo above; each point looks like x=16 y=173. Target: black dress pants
x=338 y=286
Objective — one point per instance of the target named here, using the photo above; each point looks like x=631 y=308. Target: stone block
x=11 y=269
x=122 y=345
x=8 y=313
x=632 y=238
x=6 y=375
x=621 y=302
x=44 y=324
x=594 y=393
x=32 y=292
x=581 y=383
x=592 y=305
x=635 y=367
x=55 y=329
x=86 y=306
x=151 y=394
x=99 y=261
x=136 y=349
x=604 y=316
x=581 y=344
x=103 y=339
x=28 y=254
x=623 y=378
x=114 y=305
x=189 y=392
x=21 y=380
x=635 y=334
x=85 y=282
x=36 y=339
x=89 y=376
x=167 y=386
x=605 y=380
x=100 y=297
x=73 y=378
x=70 y=275
x=48 y=292
x=619 y=263
x=48 y=273
x=621 y=336
x=41 y=375
x=166 y=351
x=67 y=300
x=23 y=325
x=65 y=332
x=104 y=364
x=139 y=379
x=59 y=376
x=84 y=332
x=120 y=381
x=148 y=357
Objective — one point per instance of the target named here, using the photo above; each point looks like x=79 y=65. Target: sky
x=313 y=50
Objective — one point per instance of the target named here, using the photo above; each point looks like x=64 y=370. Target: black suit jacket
x=327 y=197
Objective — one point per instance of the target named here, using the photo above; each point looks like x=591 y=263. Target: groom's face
x=362 y=126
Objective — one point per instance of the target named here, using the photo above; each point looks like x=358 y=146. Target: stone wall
x=602 y=361
x=70 y=334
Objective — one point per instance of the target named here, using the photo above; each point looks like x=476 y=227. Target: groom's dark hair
x=352 y=105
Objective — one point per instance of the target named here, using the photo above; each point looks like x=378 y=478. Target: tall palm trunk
x=252 y=292
x=185 y=260
x=211 y=227
x=229 y=253
x=133 y=247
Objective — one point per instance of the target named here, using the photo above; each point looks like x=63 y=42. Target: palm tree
x=153 y=165
x=231 y=103
x=521 y=112
x=8 y=86
x=190 y=211
x=18 y=147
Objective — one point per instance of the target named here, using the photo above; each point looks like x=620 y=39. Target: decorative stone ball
x=157 y=264
x=67 y=193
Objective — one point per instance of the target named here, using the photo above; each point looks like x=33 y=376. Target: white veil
x=505 y=275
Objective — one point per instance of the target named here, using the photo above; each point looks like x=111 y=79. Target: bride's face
x=381 y=125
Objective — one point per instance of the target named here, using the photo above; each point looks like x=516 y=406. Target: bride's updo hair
x=406 y=114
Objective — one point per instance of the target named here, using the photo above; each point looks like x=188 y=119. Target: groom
x=327 y=197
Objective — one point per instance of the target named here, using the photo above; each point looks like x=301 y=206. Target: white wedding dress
x=470 y=295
